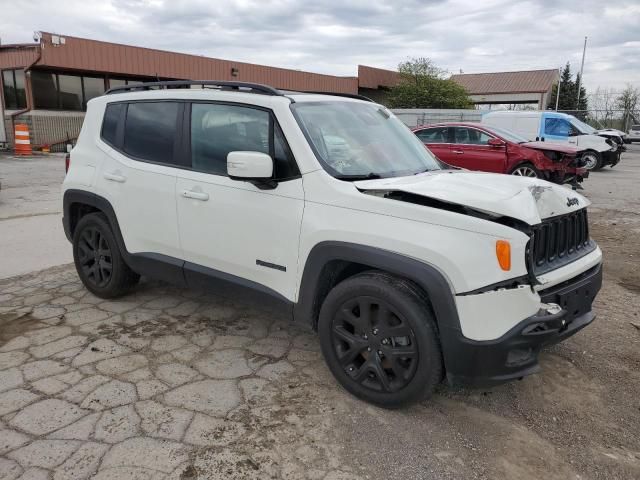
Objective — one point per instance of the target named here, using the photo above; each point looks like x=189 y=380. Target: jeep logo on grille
x=572 y=201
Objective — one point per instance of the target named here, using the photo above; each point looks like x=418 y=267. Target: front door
x=472 y=151
x=233 y=228
x=557 y=129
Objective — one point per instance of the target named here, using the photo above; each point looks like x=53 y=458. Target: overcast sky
x=334 y=36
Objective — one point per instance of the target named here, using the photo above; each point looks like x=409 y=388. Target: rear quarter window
x=110 y=122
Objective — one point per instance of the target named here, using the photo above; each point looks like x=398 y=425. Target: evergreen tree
x=568 y=93
x=582 y=102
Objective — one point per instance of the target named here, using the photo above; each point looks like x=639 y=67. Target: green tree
x=568 y=93
x=423 y=85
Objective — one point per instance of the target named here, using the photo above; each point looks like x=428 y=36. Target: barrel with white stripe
x=22 y=140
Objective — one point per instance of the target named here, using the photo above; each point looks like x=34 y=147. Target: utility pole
x=558 y=89
x=584 y=50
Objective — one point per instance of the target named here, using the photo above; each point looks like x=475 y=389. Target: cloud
x=331 y=36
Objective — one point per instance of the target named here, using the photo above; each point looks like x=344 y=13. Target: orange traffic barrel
x=22 y=142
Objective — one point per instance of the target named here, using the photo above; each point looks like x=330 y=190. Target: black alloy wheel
x=379 y=339
x=375 y=346
x=94 y=256
x=99 y=262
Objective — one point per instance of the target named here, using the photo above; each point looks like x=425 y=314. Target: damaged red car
x=490 y=149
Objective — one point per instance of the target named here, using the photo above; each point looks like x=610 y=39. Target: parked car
x=491 y=149
x=410 y=273
x=598 y=148
x=613 y=133
x=634 y=133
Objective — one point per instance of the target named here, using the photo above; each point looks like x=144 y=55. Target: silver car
x=634 y=133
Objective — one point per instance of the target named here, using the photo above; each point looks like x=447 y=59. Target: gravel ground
x=171 y=383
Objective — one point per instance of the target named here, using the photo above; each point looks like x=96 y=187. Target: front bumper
x=611 y=158
x=515 y=354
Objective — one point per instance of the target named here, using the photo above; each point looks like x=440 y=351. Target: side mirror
x=249 y=166
x=495 y=142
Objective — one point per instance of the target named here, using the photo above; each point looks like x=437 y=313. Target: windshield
x=508 y=135
x=356 y=140
x=582 y=127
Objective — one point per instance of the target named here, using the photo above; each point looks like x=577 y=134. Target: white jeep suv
x=410 y=272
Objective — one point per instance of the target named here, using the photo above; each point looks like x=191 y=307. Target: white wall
x=413 y=117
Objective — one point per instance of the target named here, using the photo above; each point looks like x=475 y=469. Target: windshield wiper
x=368 y=176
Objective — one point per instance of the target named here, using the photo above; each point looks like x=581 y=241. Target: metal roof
x=65 y=52
x=533 y=81
x=371 y=77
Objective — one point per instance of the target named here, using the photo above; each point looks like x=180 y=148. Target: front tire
x=98 y=260
x=592 y=160
x=526 y=170
x=379 y=340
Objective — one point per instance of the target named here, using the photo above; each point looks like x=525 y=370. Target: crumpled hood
x=553 y=147
x=526 y=199
x=611 y=132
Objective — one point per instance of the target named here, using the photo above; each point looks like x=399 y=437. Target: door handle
x=114 y=177
x=459 y=152
x=195 y=195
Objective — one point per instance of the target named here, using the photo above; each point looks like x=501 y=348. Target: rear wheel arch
x=77 y=210
x=78 y=203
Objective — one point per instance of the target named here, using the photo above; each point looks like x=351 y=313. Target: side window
x=217 y=130
x=470 y=136
x=150 y=130
x=110 y=122
x=434 y=135
x=557 y=126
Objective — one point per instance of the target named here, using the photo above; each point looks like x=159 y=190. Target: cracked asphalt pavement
x=170 y=383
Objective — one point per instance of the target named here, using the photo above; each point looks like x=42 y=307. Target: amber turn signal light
x=503 y=254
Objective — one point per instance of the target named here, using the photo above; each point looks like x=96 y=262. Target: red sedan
x=489 y=149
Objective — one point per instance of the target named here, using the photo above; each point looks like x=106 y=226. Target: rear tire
x=526 y=170
x=592 y=160
x=379 y=340
x=98 y=260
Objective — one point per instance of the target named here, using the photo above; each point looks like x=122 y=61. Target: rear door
x=139 y=141
x=233 y=228
x=437 y=140
x=471 y=150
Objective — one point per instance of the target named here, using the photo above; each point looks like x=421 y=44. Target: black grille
x=560 y=240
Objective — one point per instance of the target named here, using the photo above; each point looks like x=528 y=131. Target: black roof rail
x=239 y=86
x=347 y=95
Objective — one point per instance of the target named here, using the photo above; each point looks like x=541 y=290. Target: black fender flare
x=426 y=276
x=91 y=199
